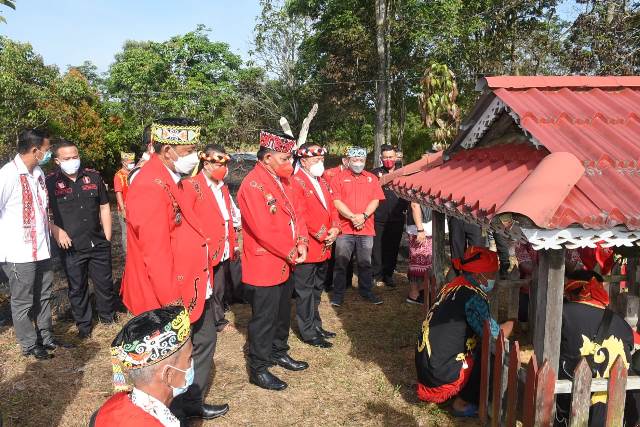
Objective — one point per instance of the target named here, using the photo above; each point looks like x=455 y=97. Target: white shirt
x=216 y=189
x=153 y=407
x=16 y=244
x=316 y=185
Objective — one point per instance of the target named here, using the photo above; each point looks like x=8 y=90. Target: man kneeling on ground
x=449 y=344
x=154 y=350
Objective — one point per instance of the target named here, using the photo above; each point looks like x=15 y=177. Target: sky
x=68 y=32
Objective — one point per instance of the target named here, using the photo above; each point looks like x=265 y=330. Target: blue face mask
x=45 y=158
x=188 y=380
x=489 y=286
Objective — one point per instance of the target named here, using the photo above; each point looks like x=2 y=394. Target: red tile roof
x=597 y=119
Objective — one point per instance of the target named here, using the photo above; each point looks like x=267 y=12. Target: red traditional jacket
x=167 y=259
x=119 y=411
x=317 y=218
x=272 y=226
x=205 y=206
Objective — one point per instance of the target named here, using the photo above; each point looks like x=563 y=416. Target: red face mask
x=284 y=170
x=388 y=163
x=219 y=174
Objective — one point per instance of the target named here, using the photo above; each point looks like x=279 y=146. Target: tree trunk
x=387 y=69
x=381 y=85
x=402 y=118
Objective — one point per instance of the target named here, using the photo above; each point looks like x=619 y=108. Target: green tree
x=25 y=84
x=605 y=38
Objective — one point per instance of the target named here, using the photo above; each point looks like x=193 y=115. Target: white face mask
x=130 y=166
x=317 y=169
x=146 y=156
x=186 y=164
x=70 y=167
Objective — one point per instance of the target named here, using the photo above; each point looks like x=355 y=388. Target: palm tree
x=8 y=3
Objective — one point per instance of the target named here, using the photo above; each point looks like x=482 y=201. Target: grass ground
x=367 y=378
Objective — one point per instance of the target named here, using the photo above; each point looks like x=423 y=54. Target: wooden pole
x=548 y=316
x=438 y=247
x=580 y=395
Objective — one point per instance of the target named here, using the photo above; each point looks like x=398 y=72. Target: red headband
x=477 y=260
x=276 y=143
x=591 y=290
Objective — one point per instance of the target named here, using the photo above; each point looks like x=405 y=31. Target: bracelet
x=420 y=231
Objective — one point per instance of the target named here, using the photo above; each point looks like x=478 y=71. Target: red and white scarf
x=29 y=213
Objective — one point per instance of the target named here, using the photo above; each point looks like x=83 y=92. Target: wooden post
x=616 y=393
x=438 y=248
x=529 y=404
x=498 y=383
x=580 y=395
x=628 y=305
x=548 y=316
x=545 y=397
x=512 y=384
x=485 y=368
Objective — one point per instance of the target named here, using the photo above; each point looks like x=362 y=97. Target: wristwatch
x=364 y=214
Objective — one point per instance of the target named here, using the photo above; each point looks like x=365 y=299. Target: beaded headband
x=127 y=156
x=312 y=152
x=356 y=152
x=149 y=350
x=175 y=135
x=276 y=143
x=215 y=158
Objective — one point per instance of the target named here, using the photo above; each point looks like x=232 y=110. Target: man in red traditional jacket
x=321 y=217
x=220 y=217
x=274 y=240
x=159 y=370
x=168 y=261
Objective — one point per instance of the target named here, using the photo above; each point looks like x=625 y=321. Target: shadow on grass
x=41 y=395
x=385 y=334
x=390 y=416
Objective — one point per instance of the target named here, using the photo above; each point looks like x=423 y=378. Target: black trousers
x=204 y=338
x=461 y=235
x=234 y=288
x=270 y=321
x=502 y=247
x=386 y=245
x=220 y=279
x=309 y=283
x=79 y=266
x=328 y=281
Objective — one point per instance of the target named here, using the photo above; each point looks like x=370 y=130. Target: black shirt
x=580 y=323
x=76 y=206
x=392 y=208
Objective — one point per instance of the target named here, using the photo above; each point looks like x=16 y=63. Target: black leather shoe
x=57 y=343
x=288 y=363
x=318 y=342
x=267 y=380
x=39 y=353
x=84 y=334
x=324 y=333
x=205 y=411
